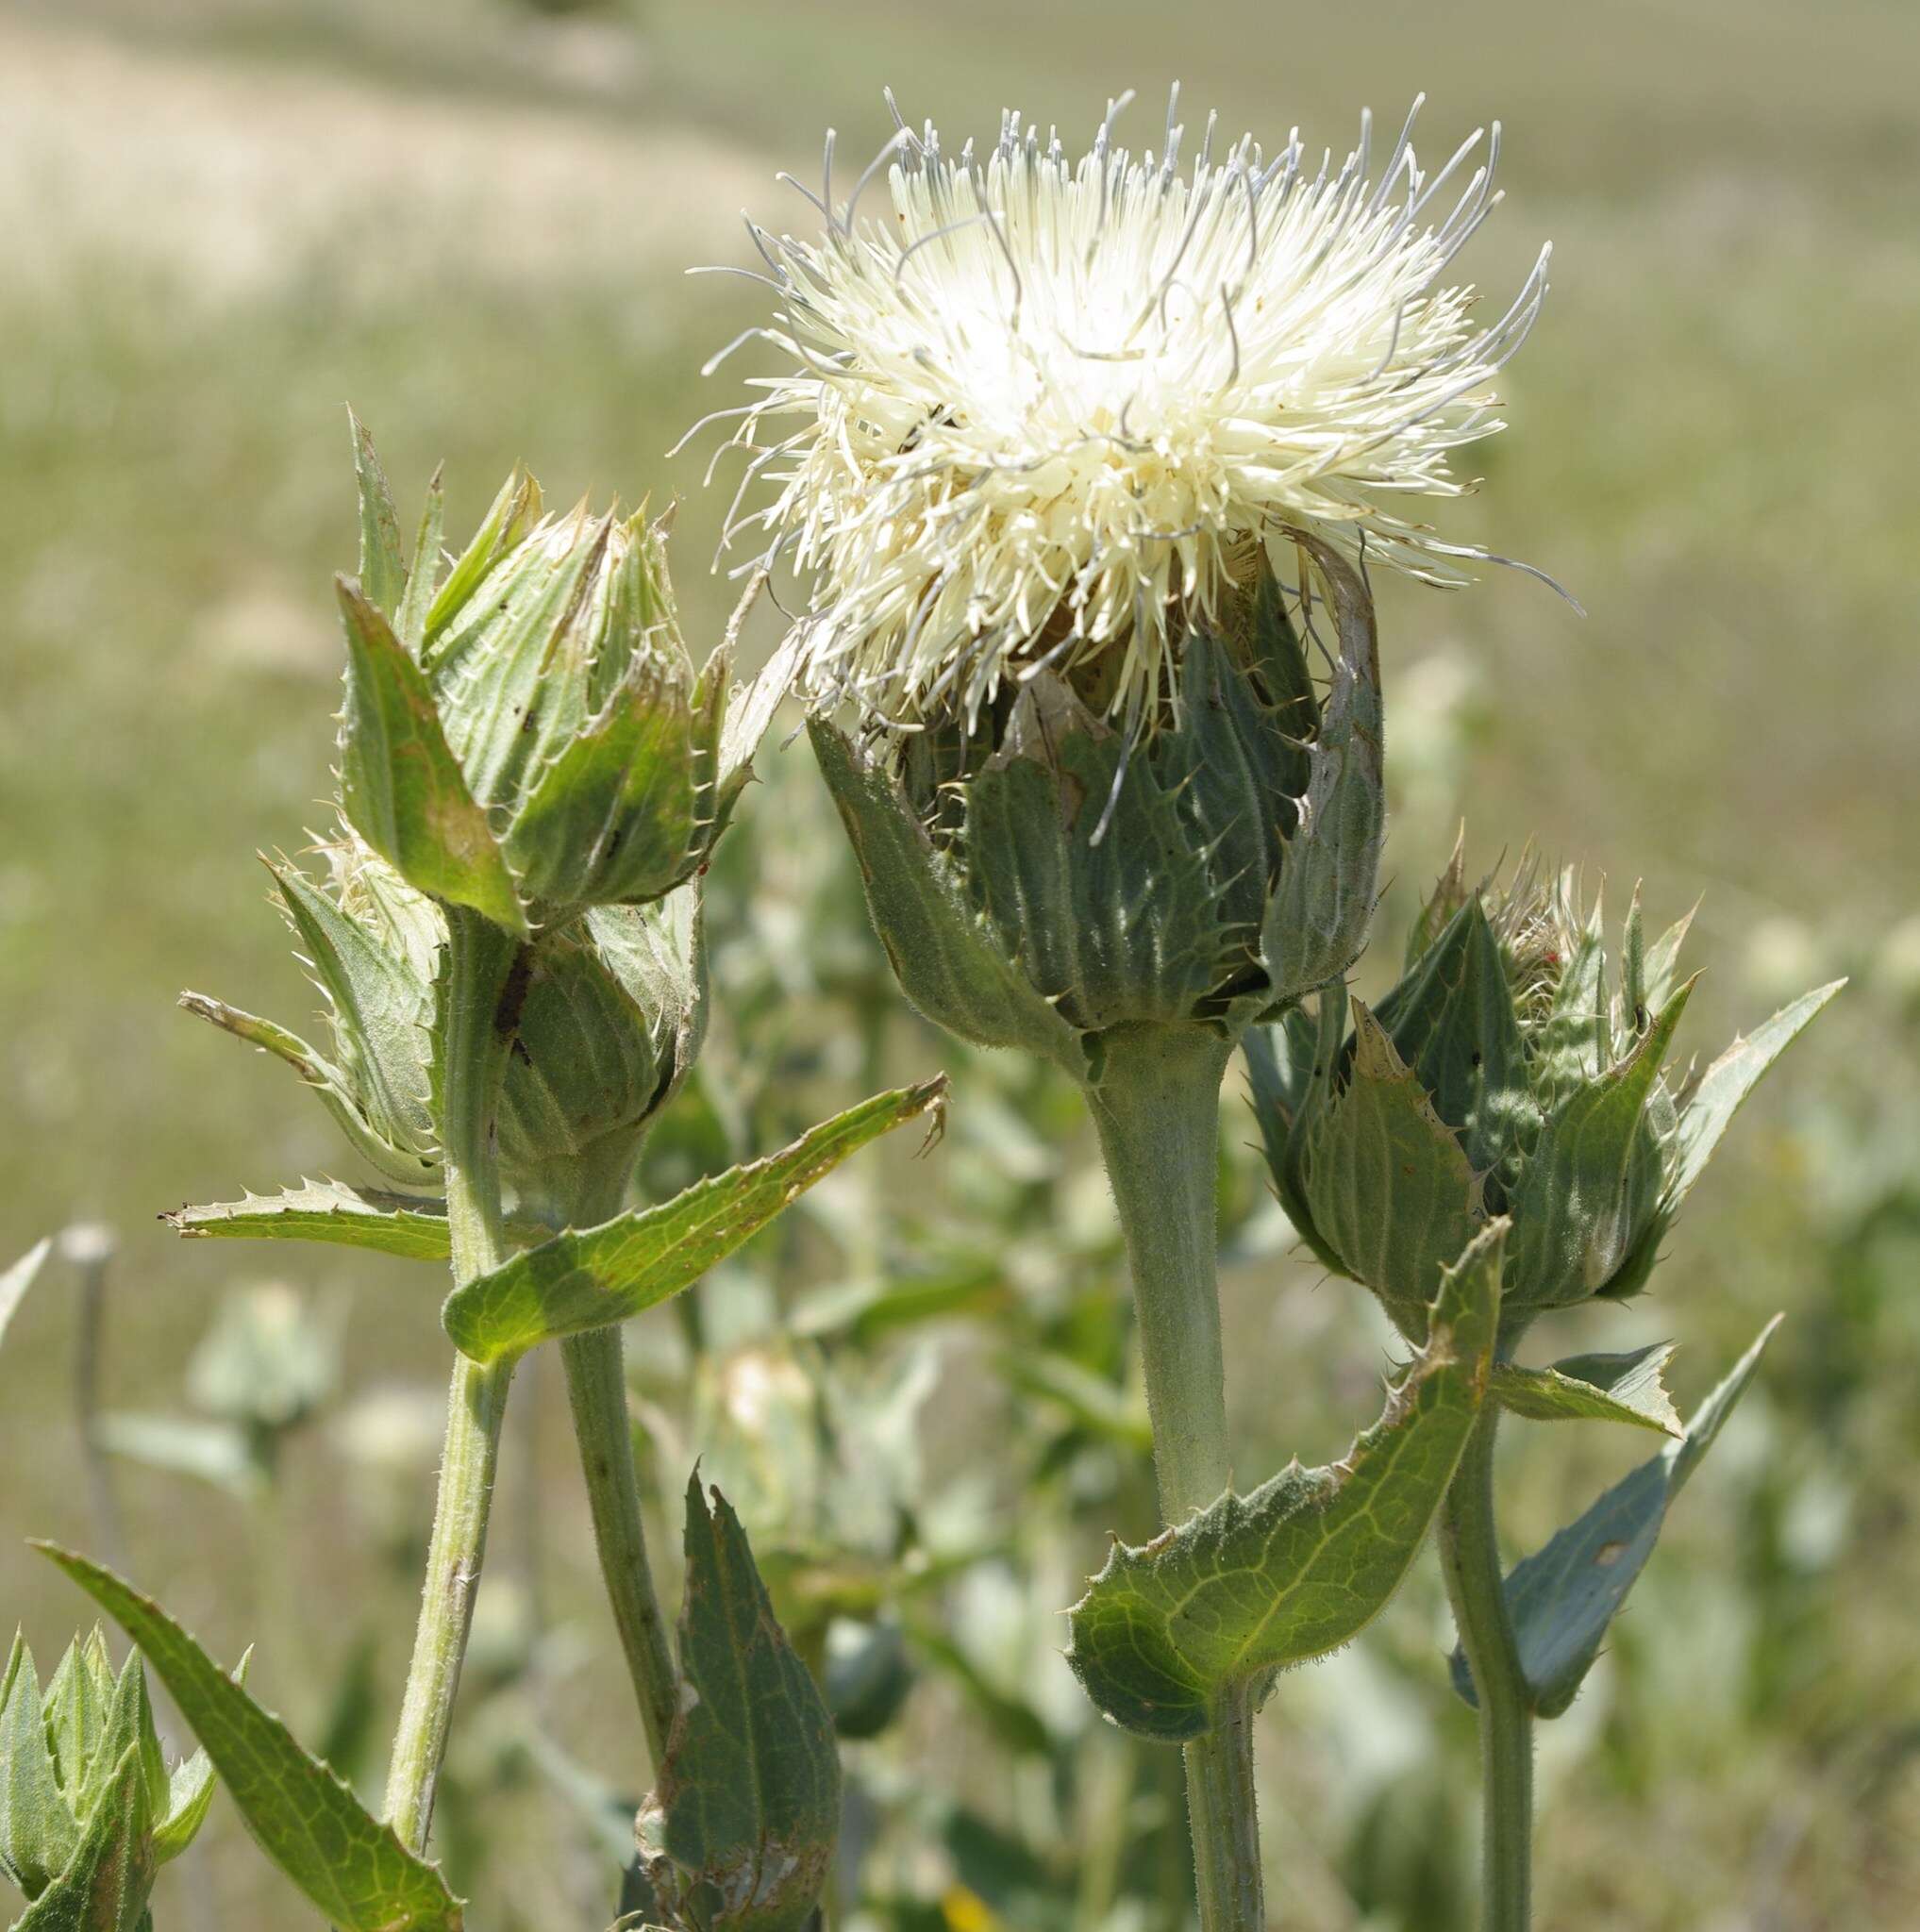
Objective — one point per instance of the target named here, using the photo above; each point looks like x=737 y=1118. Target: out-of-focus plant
x=264 y=1370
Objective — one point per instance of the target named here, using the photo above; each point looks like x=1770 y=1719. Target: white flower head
x=1045 y=411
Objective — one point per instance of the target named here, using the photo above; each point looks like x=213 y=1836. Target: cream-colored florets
x=1044 y=410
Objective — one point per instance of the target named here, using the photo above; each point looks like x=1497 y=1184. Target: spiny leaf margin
x=593 y=1278
x=1241 y=1589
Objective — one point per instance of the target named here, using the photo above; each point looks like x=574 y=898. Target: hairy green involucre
x=1045 y=878
x=105 y=1885
x=945 y=962
x=1505 y=1074
x=88 y=1810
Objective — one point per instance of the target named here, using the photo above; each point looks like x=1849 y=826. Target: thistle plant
x=1515 y=1072
x=1053 y=434
x=1085 y=463
x=507 y=932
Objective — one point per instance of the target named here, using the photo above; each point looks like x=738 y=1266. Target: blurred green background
x=223 y=219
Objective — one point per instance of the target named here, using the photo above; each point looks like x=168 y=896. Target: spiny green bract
x=1509 y=1073
x=1044 y=878
x=88 y=1810
x=528 y=736
x=612 y=1019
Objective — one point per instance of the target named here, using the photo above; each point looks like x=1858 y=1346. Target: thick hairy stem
x=1470 y=1560
x=486 y=978
x=1156 y=1106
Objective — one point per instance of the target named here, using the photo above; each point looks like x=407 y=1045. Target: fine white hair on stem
x=1046 y=408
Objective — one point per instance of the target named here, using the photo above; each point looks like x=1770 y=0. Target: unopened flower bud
x=88 y=1789
x=611 y=1021
x=1512 y=1072
x=529 y=736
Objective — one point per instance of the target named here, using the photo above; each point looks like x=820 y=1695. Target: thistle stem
x=1157 y=1108
x=485 y=979
x=1470 y=1561
x=596 y=1387
x=583 y=1192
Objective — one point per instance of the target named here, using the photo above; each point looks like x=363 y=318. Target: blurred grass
x=224 y=220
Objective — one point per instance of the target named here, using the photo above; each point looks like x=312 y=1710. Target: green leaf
x=1290 y=1066
x=1601 y=1387
x=38 y=1830
x=1238 y=754
x=593 y=1278
x=382 y=1012
x=514 y=513
x=383 y=569
x=1706 y=1111
x=105 y=1885
x=126 y=1723
x=1562 y=1597
x=1451 y=1019
x=750 y=708
x=412 y=1226
x=1254 y=1583
x=324 y=1210
x=742 y=1826
x=190 y=1795
x=400 y=785
x=77 y=1697
x=1146 y=933
x=410 y=620
x=1125 y=929
x=349 y=1864
x=19 y=1279
x=1390 y=1187
x=947 y=963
